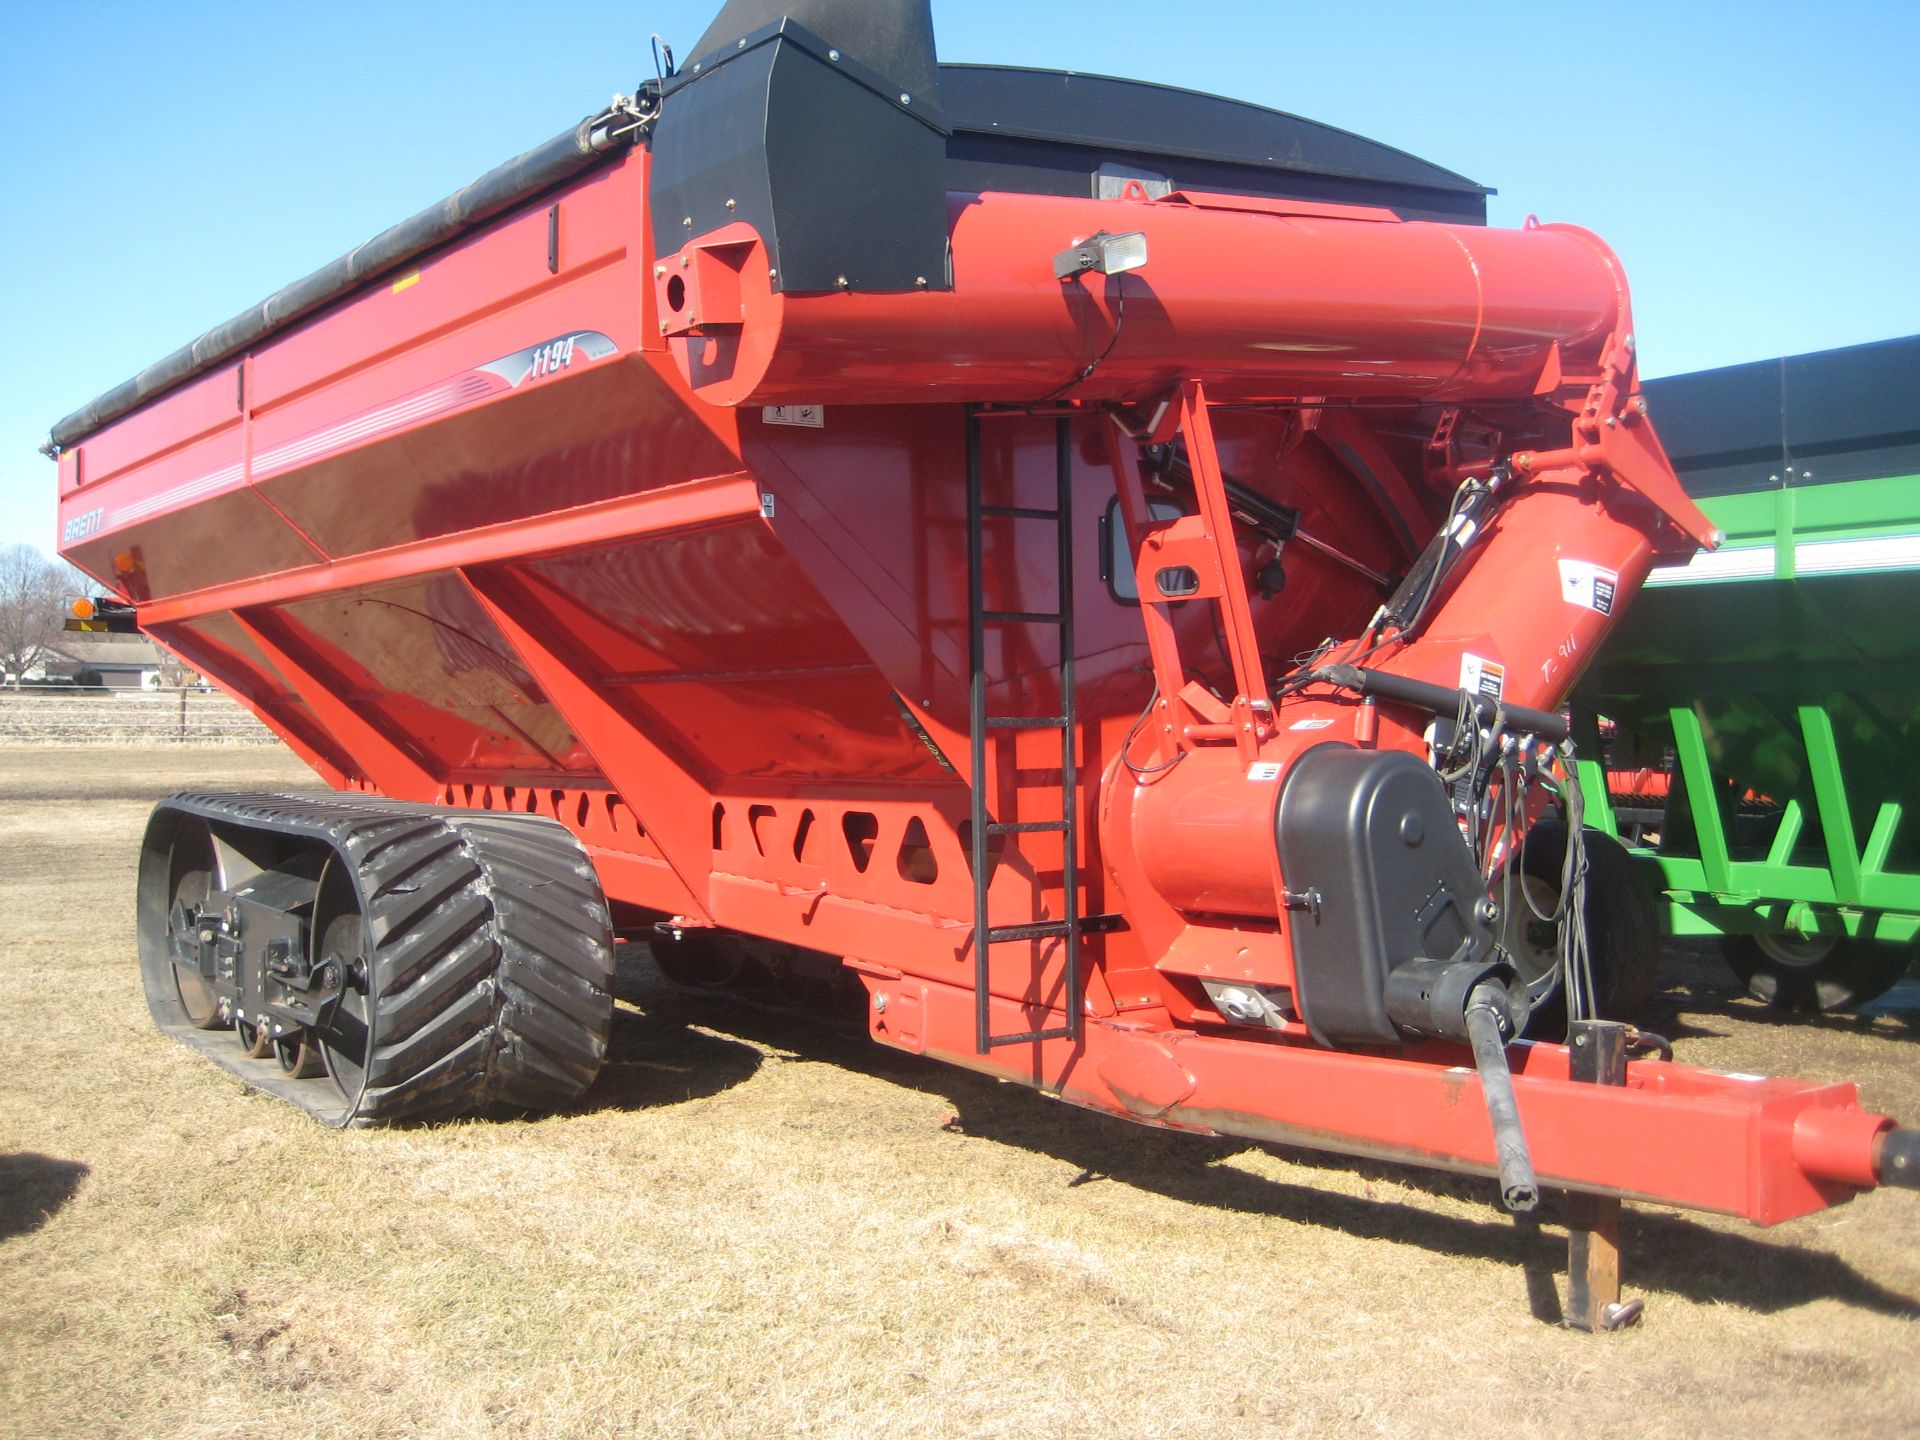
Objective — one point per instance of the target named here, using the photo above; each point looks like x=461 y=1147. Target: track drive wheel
x=1813 y=973
x=1623 y=925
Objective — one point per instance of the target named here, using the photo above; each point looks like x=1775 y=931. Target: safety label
x=1264 y=770
x=1479 y=676
x=814 y=417
x=1586 y=584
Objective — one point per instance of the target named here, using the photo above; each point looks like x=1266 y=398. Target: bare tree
x=34 y=592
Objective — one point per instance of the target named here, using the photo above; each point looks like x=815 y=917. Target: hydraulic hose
x=1519 y=1186
x=1440 y=700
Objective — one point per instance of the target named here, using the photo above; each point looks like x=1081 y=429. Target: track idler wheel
x=340 y=953
x=192 y=877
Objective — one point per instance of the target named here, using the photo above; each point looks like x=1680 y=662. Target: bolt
x=773 y=274
x=733 y=204
x=921 y=281
x=841 y=281
x=685 y=261
x=1639 y=404
x=834 y=56
x=905 y=99
x=663 y=327
x=687 y=223
x=743 y=43
x=880 y=1004
x=658 y=271
x=1612 y=421
x=696 y=69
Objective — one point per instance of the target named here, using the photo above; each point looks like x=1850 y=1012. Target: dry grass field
x=758 y=1225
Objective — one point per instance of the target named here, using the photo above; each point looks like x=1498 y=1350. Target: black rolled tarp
x=520 y=178
x=1030 y=131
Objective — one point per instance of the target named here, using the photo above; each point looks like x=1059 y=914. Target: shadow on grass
x=1669 y=1252
x=654 y=1057
x=33 y=1189
x=1699 y=989
x=655 y=1060
x=1665 y=1251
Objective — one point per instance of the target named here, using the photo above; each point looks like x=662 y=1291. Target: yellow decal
x=406 y=280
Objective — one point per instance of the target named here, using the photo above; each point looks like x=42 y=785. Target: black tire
x=489 y=977
x=1814 y=974
x=1623 y=923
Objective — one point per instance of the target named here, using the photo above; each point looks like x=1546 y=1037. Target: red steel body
x=506 y=532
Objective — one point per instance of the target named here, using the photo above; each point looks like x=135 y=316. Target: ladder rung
x=1026 y=827
x=1022 y=617
x=1030 y=1036
x=1039 y=930
x=1020 y=512
x=1026 y=722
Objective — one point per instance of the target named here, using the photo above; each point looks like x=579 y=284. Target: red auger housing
x=997 y=537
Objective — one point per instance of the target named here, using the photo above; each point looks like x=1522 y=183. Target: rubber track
x=490 y=947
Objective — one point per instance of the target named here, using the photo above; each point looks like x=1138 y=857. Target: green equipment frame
x=1772 y=687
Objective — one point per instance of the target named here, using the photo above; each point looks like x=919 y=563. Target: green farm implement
x=1758 y=708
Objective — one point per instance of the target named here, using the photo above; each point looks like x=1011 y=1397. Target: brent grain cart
x=1095 y=566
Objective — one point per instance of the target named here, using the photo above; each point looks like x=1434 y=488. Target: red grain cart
x=999 y=538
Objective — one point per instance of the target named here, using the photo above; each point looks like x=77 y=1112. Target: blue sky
x=162 y=166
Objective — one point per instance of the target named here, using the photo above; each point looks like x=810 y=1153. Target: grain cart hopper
x=1001 y=537
x=1779 y=676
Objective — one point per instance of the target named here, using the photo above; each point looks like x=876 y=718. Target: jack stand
x=1599 y=1057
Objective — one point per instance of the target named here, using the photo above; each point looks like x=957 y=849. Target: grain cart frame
x=863 y=514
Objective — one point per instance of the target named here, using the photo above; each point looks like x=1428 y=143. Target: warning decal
x=1487 y=678
x=1585 y=584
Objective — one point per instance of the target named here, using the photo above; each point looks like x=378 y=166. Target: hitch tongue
x=1487 y=1015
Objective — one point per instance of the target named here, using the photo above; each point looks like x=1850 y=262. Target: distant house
x=123 y=662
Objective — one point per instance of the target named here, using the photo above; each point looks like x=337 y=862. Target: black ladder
x=1067 y=928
